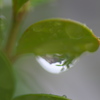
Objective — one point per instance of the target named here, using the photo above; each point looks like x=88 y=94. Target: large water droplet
x=53 y=64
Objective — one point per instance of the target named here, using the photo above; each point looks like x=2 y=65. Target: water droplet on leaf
x=54 y=63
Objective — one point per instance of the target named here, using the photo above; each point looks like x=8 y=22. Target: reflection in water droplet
x=53 y=64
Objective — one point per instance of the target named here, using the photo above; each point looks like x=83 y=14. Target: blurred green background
x=82 y=82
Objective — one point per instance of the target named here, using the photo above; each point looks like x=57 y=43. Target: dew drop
x=53 y=64
x=52 y=68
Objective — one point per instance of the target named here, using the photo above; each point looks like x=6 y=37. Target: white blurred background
x=82 y=82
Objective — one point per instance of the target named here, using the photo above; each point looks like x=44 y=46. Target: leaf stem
x=14 y=32
x=12 y=38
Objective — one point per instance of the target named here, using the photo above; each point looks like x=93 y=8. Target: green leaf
x=6 y=78
x=40 y=97
x=18 y=4
x=64 y=40
x=57 y=36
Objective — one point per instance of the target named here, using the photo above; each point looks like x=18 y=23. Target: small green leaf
x=64 y=39
x=57 y=36
x=40 y=97
x=6 y=78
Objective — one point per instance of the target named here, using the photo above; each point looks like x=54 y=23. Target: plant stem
x=17 y=19
x=12 y=38
x=13 y=34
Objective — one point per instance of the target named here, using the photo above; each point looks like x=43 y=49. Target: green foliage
x=6 y=78
x=61 y=38
x=40 y=97
x=58 y=36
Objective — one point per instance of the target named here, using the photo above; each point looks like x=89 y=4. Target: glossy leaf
x=58 y=36
x=40 y=97
x=6 y=78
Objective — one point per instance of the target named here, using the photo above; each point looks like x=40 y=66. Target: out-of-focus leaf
x=57 y=36
x=2 y=28
x=18 y=4
x=40 y=97
x=6 y=78
x=1 y=3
